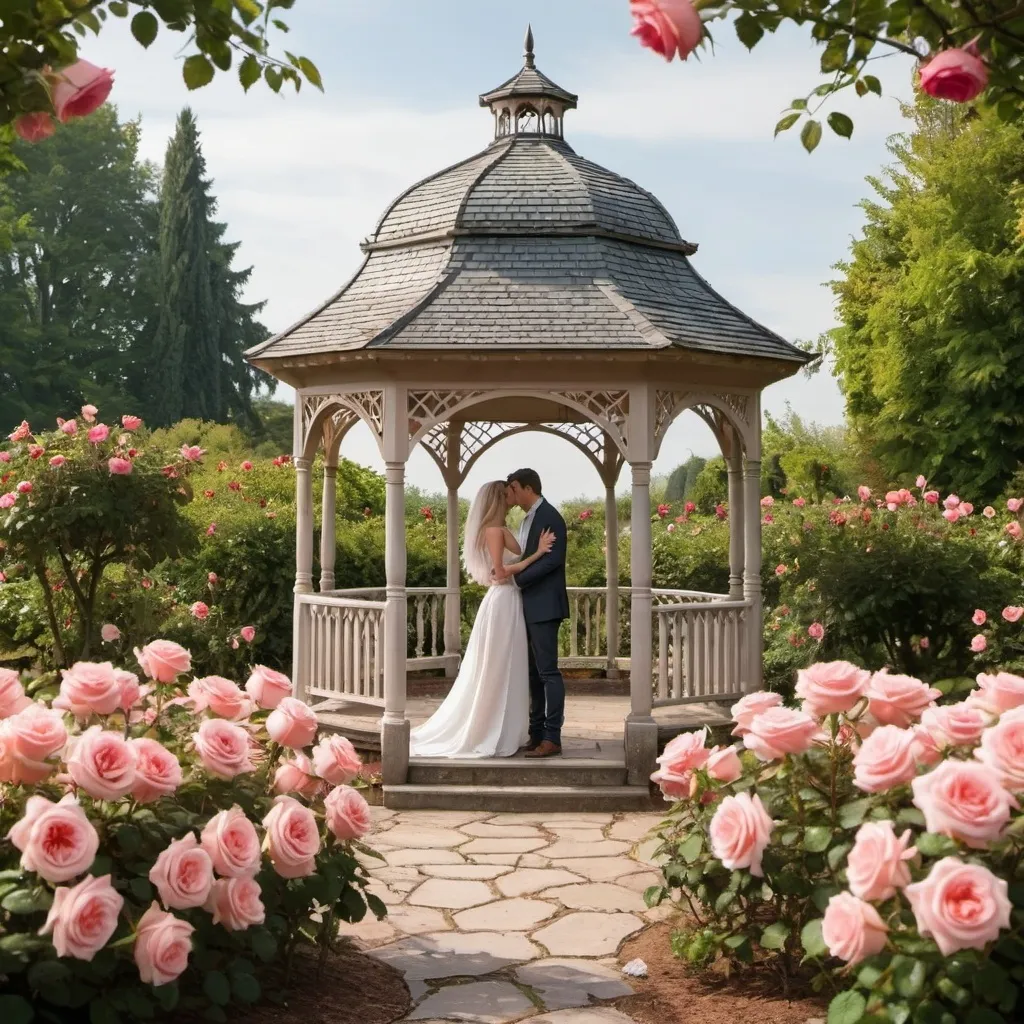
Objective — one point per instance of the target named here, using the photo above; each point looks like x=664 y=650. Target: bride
x=486 y=712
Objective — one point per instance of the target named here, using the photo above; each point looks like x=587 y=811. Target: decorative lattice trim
x=433 y=407
x=365 y=405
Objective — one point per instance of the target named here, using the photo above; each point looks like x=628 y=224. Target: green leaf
x=840 y=124
x=44 y=974
x=910 y=816
x=141 y=889
x=264 y=945
x=309 y=69
x=118 y=8
x=846 y=1008
x=197 y=71
x=957 y=995
x=27 y=901
x=249 y=72
x=748 y=30
x=817 y=838
x=273 y=78
x=167 y=995
x=15 y=1010
x=775 y=935
x=787 y=122
x=811 y=939
x=689 y=850
x=101 y=1011
x=654 y=894
x=910 y=976
x=931 y=844
x=245 y=987
x=873 y=84
x=129 y=838
x=811 y=135
x=217 y=988
x=144 y=27
x=853 y=813
x=982 y=1015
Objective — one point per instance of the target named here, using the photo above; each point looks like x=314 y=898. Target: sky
x=301 y=179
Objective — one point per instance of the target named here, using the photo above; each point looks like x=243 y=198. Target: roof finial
x=528 y=46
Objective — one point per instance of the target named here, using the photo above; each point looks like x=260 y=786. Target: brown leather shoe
x=546 y=749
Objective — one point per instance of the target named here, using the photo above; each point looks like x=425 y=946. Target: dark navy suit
x=545 y=605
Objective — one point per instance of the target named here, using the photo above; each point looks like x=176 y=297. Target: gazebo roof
x=526 y=246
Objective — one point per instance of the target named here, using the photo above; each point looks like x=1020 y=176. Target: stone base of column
x=613 y=672
x=641 y=749
x=451 y=665
x=394 y=752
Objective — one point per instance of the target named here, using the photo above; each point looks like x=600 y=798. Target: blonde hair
x=489 y=508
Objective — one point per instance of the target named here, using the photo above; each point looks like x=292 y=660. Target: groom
x=545 y=605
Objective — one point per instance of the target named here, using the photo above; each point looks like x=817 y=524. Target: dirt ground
x=673 y=993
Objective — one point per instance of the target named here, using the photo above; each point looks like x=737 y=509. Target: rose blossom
x=724 y=764
x=223 y=747
x=24 y=487
x=16 y=768
x=221 y=696
x=267 y=687
x=130 y=690
x=746 y=708
x=292 y=724
x=1002 y=749
x=164 y=660
x=739 y=831
x=898 y=700
x=57 y=461
x=297 y=776
x=960 y=906
x=79 y=90
x=183 y=874
x=988 y=512
x=1013 y=529
x=932 y=497
x=667 y=26
x=876 y=866
x=119 y=466
x=200 y=609
x=852 y=929
x=12 y=693
x=110 y=633
x=964 y=800
x=978 y=643
x=236 y=903
x=816 y=631
x=192 y=452
x=69 y=427
x=884 y=760
x=162 y=945
x=681 y=757
x=21 y=432
x=157 y=771
x=36 y=732
x=83 y=918
x=99 y=433
x=34 y=127
x=57 y=841
x=1013 y=612
x=779 y=731
x=925 y=748
x=102 y=763
x=131 y=422
x=248 y=633
x=830 y=686
x=89 y=688
x=979 y=618
x=954 y=725
x=347 y=813
x=8 y=500
x=293 y=838
x=230 y=839
x=956 y=74
x=336 y=761
x=999 y=692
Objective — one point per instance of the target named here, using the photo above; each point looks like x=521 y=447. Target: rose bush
x=157 y=842
x=870 y=831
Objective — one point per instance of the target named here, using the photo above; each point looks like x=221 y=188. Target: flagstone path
x=496 y=918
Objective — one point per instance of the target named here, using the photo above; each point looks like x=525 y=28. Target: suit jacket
x=543 y=584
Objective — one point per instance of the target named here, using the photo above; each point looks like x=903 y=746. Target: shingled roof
x=527 y=246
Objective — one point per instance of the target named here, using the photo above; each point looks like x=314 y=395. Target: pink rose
x=183 y=874
x=212 y=578
x=110 y=633
x=247 y=466
x=221 y=696
x=746 y=708
x=57 y=841
x=999 y=692
x=739 y=831
x=966 y=508
x=293 y=838
x=89 y=688
x=236 y=903
x=979 y=618
x=157 y=771
x=964 y=800
x=877 y=865
x=852 y=929
x=192 y=452
x=297 y=776
x=267 y=687
x=119 y=466
x=248 y=633
x=954 y=725
x=932 y=497
x=130 y=690
x=830 y=686
x=885 y=759
x=16 y=768
x=681 y=757
x=57 y=461
x=131 y=422
x=724 y=764
x=799 y=502
x=978 y=643
x=99 y=433
x=955 y=74
x=988 y=512
x=102 y=763
x=82 y=919
x=25 y=487
x=347 y=813
x=8 y=500
x=921 y=481
x=816 y=631
x=79 y=90
x=780 y=731
x=34 y=127
x=69 y=427
x=36 y=732
x=230 y=839
x=960 y=906
x=898 y=700
x=162 y=945
x=164 y=660
x=1002 y=749
x=667 y=27
x=1013 y=529
x=200 y=610
x=925 y=748
x=1014 y=504
x=1013 y=613
x=21 y=432
x=335 y=760
x=12 y=693
x=223 y=747
x=292 y=724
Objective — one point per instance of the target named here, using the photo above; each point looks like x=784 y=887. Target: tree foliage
x=931 y=305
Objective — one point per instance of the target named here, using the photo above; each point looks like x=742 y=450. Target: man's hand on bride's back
x=546 y=541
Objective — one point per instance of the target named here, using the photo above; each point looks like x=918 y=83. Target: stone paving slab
x=565 y=983
x=590 y=1015
x=482 y=1002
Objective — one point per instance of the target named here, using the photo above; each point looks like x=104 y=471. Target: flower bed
x=873 y=832
x=161 y=842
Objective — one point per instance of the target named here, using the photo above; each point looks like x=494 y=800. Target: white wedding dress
x=486 y=712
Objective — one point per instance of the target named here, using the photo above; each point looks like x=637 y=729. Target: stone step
x=517 y=771
x=518 y=799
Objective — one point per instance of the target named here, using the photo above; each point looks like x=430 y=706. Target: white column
x=328 y=544
x=611 y=561
x=395 y=726
x=736 y=518
x=752 y=573
x=452 y=596
x=303 y=571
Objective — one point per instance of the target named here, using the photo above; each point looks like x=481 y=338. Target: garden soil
x=673 y=993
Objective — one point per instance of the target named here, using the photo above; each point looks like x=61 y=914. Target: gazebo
x=526 y=288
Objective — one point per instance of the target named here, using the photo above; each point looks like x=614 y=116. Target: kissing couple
x=509 y=696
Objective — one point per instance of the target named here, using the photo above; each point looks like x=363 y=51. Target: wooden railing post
x=453 y=580
x=303 y=572
x=754 y=639
x=611 y=559
x=328 y=544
